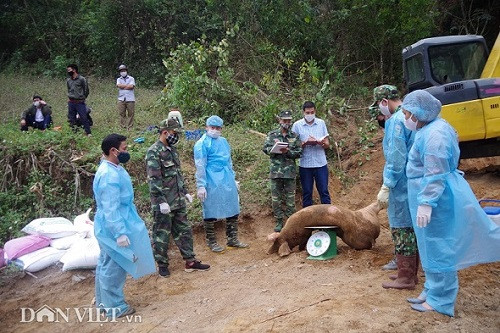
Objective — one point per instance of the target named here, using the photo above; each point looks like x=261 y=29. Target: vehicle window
x=415 y=68
x=451 y=63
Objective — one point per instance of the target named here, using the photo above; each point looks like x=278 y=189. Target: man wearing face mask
x=78 y=91
x=169 y=198
x=126 y=97
x=453 y=231
x=216 y=183
x=283 y=168
x=39 y=115
x=313 y=166
x=393 y=194
x=122 y=236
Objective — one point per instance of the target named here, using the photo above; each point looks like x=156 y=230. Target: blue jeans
x=307 y=178
x=81 y=110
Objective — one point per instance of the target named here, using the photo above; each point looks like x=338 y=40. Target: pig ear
x=284 y=250
x=273 y=248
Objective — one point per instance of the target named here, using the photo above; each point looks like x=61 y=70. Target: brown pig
x=358 y=229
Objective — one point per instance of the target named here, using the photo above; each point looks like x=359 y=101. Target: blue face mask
x=123 y=157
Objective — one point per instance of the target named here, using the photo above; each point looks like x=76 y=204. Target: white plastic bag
x=65 y=243
x=83 y=254
x=52 y=227
x=39 y=259
x=84 y=225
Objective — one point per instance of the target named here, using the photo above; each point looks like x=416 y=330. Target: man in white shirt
x=126 y=97
x=313 y=166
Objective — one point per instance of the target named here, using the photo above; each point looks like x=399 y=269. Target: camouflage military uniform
x=166 y=184
x=405 y=241
x=282 y=173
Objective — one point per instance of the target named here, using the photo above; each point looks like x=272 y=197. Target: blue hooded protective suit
x=116 y=215
x=214 y=171
x=396 y=144
x=459 y=233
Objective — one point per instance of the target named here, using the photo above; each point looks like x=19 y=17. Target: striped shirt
x=312 y=156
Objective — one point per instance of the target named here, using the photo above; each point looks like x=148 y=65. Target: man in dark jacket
x=38 y=115
x=78 y=91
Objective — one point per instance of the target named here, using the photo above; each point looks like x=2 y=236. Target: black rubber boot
x=210 y=236
x=232 y=234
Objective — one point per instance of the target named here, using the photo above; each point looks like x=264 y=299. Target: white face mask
x=37 y=103
x=309 y=117
x=384 y=109
x=123 y=74
x=213 y=133
x=410 y=124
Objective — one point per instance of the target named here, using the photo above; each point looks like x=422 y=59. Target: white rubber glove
x=237 y=185
x=383 y=196
x=424 y=215
x=164 y=208
x=202 y=194
x=123 y=241
x=189 y=198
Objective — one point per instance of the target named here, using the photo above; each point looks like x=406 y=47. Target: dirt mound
x=247 y=290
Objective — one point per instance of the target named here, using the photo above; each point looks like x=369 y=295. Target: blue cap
x=422 y=105
x=215 y=121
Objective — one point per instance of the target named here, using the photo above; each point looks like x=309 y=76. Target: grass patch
x=50 y=173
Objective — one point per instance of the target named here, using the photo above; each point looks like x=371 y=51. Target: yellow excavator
x=465 y=77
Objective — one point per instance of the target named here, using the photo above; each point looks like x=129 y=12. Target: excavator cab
x=440 y=60
x=460 y=72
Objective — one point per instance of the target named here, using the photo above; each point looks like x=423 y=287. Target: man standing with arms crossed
x=126 y=97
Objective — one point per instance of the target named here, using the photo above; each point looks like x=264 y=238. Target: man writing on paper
x=283 y=146
x=313 y=166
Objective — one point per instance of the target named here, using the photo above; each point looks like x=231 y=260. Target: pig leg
x=284 y=250
x=274 y=248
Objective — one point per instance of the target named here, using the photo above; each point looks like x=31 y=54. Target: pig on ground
x=359 y=229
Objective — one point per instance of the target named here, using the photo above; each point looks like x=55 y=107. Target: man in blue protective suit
x=393 y=194
x=453 y=232
x=216 y=183
x=122 y=236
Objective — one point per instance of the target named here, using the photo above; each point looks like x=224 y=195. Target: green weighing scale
x=322 y=245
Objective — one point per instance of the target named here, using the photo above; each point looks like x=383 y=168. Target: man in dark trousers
x=39 y=115
x=78 y=91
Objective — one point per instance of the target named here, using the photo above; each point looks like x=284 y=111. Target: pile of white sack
x=54 y=239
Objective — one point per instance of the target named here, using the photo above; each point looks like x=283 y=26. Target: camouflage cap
x=384 y=91
x=169 y=124
x=285 y=114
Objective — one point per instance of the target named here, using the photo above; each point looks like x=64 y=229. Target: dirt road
x=249 y=291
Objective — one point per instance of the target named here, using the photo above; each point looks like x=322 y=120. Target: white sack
x=52 y=227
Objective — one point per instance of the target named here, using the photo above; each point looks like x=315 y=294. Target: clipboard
x=278 y=146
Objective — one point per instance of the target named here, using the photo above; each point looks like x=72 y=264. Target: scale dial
x=318 y=243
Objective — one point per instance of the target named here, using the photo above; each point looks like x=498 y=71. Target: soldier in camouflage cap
x=393 y=193
x=283 y=168
x=169 y=196
x=382 y=95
